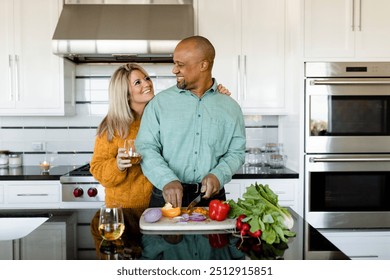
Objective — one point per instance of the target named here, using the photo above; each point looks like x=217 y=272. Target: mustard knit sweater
x=129 y=188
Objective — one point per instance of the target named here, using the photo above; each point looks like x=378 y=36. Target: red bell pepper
x=218 y=210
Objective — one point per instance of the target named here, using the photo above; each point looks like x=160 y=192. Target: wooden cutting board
x=172 y=224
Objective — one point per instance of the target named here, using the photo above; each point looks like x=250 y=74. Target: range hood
x=122 y=32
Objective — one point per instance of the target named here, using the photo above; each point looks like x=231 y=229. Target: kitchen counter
x=34 y=172
x=255 y=172
x=217 y=245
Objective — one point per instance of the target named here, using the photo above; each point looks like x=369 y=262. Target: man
x=191 y=138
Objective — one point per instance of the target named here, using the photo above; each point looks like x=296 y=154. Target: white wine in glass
x=135 y=157
x=111 y=223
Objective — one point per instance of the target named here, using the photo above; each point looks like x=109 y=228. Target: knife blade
x=194 y=202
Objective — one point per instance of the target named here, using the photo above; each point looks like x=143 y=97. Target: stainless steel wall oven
x=347 y=144
x=347 y=107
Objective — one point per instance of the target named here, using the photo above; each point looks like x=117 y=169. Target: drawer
x=1 y=194
x=284 y=191
x=32 y=194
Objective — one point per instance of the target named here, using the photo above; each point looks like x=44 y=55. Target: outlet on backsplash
x=38 y=146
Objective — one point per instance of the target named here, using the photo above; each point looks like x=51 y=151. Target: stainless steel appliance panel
x=347 y=191
x=347 y=108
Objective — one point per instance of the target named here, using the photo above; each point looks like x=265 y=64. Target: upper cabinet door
x=342 y=29
x=329 y=28
x=34 y=75
x=7 y=93
x=249 y=40
x=373 y=37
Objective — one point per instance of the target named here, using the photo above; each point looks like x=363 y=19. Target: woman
x=130 y=90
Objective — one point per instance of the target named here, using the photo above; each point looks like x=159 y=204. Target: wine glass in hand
x=111 y=223
x=135 y=157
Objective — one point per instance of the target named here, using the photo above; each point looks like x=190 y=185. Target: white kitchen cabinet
x=6 y=250
x=249 y=38
x=53 y=240
x=31 y=76
x=361 y=244
x=347 y=29
x=286 y=189
x=31 y=195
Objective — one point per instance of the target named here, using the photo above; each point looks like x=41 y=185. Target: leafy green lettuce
x=261 y=207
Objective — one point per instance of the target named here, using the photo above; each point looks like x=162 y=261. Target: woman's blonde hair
x=119 y=115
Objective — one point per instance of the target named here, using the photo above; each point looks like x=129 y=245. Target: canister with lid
x=15 y=160
x=4 y=159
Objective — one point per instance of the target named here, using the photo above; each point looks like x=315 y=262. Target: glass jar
x=15 y=160
x=3 y=160
x=276 y=161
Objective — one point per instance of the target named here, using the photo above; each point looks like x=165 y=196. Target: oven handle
x=355 y=159
x=349 y=82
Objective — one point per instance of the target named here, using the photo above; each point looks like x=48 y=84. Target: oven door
x=347 y=191
x=347 y=115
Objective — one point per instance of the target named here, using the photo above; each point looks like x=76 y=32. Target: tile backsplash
x=69 y=140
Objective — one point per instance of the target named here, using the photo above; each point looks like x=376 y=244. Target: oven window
x=349 y=115
x=349 y=191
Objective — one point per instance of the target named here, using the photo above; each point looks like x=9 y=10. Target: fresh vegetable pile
x=260 y=215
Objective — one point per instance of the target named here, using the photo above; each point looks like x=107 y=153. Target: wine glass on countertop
x=111 y=222
x=135 y=157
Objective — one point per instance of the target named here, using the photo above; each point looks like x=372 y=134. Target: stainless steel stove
x=81 y=190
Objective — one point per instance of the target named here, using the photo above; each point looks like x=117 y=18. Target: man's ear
x=204 y=65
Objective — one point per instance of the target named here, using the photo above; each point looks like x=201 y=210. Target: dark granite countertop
x=34 y=172
x=308 y=244
x=255 y=172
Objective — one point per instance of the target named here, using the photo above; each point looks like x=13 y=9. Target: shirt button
x=194 y=170
x=196 y=153
x=199 y=115
x=197 y=133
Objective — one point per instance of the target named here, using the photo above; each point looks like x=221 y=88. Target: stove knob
x=77 y=192
x=92 y=192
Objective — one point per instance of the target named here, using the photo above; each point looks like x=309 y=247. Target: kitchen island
x=308 y=244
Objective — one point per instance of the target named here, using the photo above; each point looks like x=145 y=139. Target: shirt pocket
x=220 y=134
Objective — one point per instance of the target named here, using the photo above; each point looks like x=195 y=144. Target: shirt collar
x=213 y=88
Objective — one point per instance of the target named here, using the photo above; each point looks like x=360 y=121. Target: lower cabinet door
x=53 y=240
x=6 y=250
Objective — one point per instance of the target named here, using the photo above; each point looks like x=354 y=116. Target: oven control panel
x=84 y=192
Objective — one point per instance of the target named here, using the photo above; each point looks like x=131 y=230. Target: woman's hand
x=223 y=90
x=122 y=159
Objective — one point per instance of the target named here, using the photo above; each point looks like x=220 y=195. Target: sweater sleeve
x=103 y=163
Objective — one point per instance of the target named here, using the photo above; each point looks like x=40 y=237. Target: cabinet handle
x=354 y=159
x=353 y=16
x=32 y=194
x=360 y=16
x=10 y=76
x=17 y=78
x=245 y=87
x=239 y=78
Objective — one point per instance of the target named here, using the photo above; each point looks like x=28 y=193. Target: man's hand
x=173 y=193
x=210 y=185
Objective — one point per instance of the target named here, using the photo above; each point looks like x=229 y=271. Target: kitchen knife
x=194 y=202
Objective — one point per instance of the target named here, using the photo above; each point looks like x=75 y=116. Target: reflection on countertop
x=217 y=245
